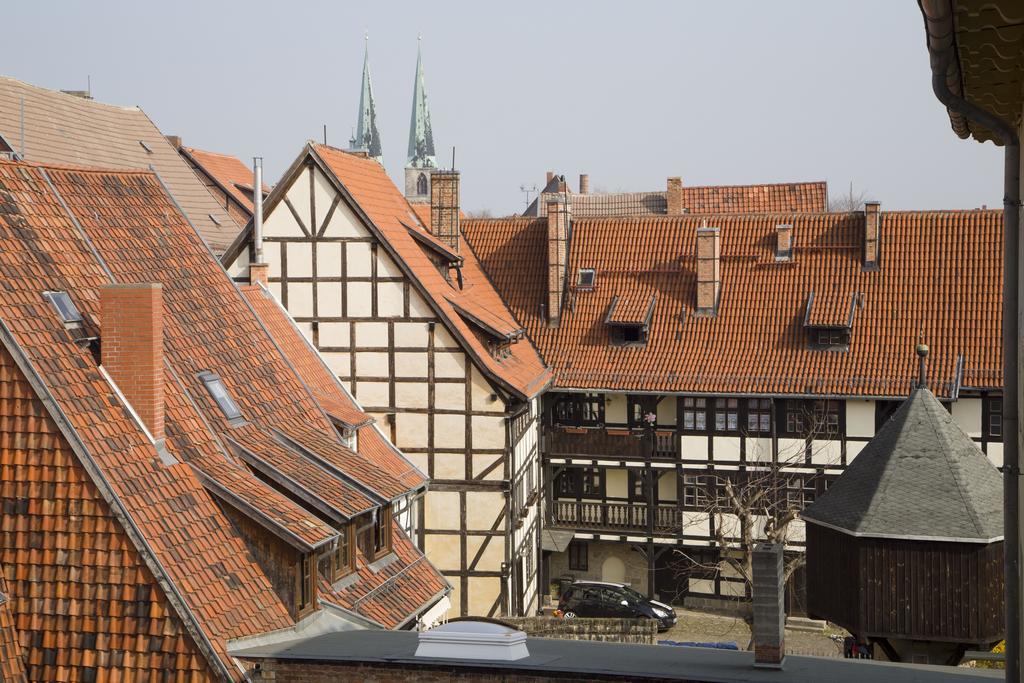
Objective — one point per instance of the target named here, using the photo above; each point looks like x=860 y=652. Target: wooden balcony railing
x=615 y=516
x=571 y=441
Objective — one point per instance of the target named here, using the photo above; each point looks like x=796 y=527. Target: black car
x=616 y=600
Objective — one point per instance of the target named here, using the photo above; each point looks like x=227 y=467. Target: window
x=579 y=410
x=826 y=417
x=701 y=491
x=995 y=417
x=66 y=308
x=625 y=335
x=695 y=414
x=220 y=394
x=643 y=411
x=799 y=492
x=366 y=536
x=214 y=219
x=344 y=557
x=727 y=414
x=578 y=556
x=149 y=150
x=349 y=438
x=795 y=417
x=307 y=585
x=638 y=480
x=586 y=277
x=830 y=337
x=759 y=415
x=382 y=532
x=566 y=485
x=593 y=482
x=421 y=185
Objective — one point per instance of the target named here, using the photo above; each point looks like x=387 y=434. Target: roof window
x=220 y=394
x=586 y=277
x=214 y=219
x=66 y=308
x=146 y=147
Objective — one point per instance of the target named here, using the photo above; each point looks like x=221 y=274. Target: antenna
x=88 y=85
x=453 y=157
x=22 y=128
x=325 y=134
x=527 y=190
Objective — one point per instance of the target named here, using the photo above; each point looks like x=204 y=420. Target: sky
x=630 y=93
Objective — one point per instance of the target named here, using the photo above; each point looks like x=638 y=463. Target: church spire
x=367 y=138
x=421 y=138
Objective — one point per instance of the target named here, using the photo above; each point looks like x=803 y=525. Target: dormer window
x=220 y=394
x=65 y=307
x=586 y=277
x=829 y=319
x=629 y=319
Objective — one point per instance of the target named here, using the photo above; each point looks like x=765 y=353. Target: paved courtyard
x=707 y=627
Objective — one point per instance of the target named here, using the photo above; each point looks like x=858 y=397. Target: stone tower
x=421 y=159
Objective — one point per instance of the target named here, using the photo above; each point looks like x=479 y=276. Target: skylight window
x=146 y=147
x=214 y=219
x=220 y=394
x=66 y=308
x=586 y=278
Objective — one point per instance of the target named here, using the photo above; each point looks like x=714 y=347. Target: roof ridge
x=76 y=98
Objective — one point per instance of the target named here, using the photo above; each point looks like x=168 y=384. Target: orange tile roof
x=12 y=666
x=76 y=230
x=940 y=279
x=228 y=172
x=64 y=129
x=635 y=308
x=707 y=199
x=831 y=308
x=377 y=196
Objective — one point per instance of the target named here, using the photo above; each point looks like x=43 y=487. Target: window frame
x=761 y=410
x=584 y=274
x=212 y=381
x=579 y=556
x=628 y=335
x=65 y=307
x=993 y=417
x=343 y=557
x=726 y=406
x=305 y=593
x=647 y=403
x=695 y=407
x=578 y=410
x=382 y=541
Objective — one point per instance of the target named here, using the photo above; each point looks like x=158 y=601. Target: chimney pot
x=872 y=235
x=709 y=279
x=768 y=592
x=674 y=196
x=584 y=183
x=558 y=217
x=132 y=348
x=444 y=207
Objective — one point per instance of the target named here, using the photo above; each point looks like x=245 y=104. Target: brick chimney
x=783 y=242
x=674 y=195
x=768 y=592
x=132 y=348
x=709 y=278
x=872 y=235
x=547 y=179
x=444 y=207
x=584 y=183
x=259 y=273
x=559 y=217
x=175 y=141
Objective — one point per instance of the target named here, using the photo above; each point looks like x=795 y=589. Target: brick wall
x=642 y=631
x=444 y=207
x=131 y=343
x=300 y=672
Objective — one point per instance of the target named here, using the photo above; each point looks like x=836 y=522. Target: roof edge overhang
x=196 y=166
x=213 y=486
x=324 y=464
x=902 y=537
x=288 y=484
x=490 y=330
x=117 y=507
x=450 y=256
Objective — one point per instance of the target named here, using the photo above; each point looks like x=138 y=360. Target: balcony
x=604 y=443
x=617 y=517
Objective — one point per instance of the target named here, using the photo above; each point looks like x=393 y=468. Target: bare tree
x=761 y=502
x=480 y=213
x=851 y=201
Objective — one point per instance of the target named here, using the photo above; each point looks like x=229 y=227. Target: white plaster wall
x=450 y=431
x=411 y=364
x=272 y=257
x=359 y=299
x=616 y=483
x=615 y=409
x=300 y=299
x=667 y=411
x=759 y=449
x=727 y=448
x=373 y=394
x=667 y=487
x=449 y=465
x=300 y=259
x=239 y=268
x=488 y=431
x=791 y=450
x=967 y=413
x=386 y=267
x=411 y=394
x=411 y=335
x=344 y=223
x=694 y=447
x=860 y=418
x=481 y=393
x=995 y=454
x=371 y=334
x=298 y=195
x=410 y=429
x=449 y=364
x=334 y=334
x=328 y=299
x=418 y=308
x=826 y=452
x=450 y=396
x=853 y=449
x=358 y=259
x=372 y=364
x=390 y=299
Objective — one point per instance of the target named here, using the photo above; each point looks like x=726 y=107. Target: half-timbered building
x=692 y=350
x=404 y=316
x=177 y=469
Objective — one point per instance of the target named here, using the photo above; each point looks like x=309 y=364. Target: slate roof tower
x=421 y=156
x=367 y=138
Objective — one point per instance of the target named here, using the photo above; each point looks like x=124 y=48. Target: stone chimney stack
x=132 y=348
x=584 y=183
x=872 y=235
x=559 y=217
x=444 y=207
x=709 y=277
x=674 y=195
x=783 y=242
x=768 y=594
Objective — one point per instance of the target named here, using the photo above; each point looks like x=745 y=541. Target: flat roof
x=609 y=660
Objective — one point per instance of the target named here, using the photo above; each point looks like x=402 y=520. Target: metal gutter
x=941 y=42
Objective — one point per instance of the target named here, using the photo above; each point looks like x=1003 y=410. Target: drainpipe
x=1011 y=337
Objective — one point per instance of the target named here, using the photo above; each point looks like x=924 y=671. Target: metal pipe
x=257 y=208
x=941 y=47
